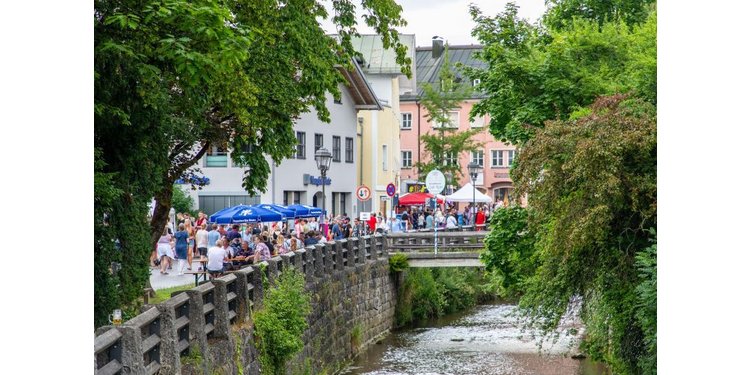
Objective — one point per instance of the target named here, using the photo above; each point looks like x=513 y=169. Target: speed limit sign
x=363 y=193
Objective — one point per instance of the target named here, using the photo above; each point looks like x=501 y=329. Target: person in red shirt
x=480 y=220
x=201 y=219
x=371 y=223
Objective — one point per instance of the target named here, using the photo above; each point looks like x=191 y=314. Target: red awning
x=415 y=199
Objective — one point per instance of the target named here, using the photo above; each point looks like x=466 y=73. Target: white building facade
x=297 y=180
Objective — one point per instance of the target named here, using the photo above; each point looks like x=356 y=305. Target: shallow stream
x=484 y=340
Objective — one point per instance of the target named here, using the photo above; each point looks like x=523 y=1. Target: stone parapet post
x=318 y=255
x=131 y=357
x=221 y=307
x=338 y=249
x=351 y=254
x=328 y=258
x=197 y=317
x=257 y=287
x=169 y=353
x=272 y=270
x=244 y=300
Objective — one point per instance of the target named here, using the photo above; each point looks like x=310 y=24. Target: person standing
x=201 y=220
x=451 y=222
x=190 y=229
x=164 y=250
x=201 y=240
x=395 y=226
x=429 y=221
x=372 y=222
x=480 y=219
x=405 y=221
x=214 y=234
x=181 y=248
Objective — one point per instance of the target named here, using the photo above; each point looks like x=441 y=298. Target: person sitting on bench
x=216 y=258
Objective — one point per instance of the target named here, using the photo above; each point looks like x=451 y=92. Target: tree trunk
x=161 y=213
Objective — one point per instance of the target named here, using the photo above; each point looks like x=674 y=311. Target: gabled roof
x=428 y=68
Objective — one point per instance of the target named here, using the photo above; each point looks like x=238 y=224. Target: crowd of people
x=225 y=247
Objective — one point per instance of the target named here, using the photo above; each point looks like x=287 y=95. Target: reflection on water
x=482 y=341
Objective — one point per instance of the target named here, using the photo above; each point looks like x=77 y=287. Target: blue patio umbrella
x=245 y=214
x=285 y=212
x=303 y=210
x=213 y=217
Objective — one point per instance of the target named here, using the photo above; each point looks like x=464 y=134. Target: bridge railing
x=446 y=241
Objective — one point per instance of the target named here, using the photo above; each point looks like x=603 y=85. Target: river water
x=484 y=340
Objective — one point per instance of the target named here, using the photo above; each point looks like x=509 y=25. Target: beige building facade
x=379 y=131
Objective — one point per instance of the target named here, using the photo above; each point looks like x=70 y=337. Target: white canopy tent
x=465 y=195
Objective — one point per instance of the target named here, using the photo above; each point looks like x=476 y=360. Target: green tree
x=601 y=11
x=510 y=255
x=446 y=141
x=173 y=77
x=536 y=74
x=591 y=184
x=182 y=201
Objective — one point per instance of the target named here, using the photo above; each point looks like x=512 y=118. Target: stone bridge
x=208 y=329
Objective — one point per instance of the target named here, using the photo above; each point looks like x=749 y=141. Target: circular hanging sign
x=363 y=193
x=390 y=189
x=435 y=181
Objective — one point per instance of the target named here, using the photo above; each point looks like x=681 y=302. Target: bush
x=430 y=293
x=398 y=262
x=279 y=324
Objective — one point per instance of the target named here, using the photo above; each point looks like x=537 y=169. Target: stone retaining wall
x=208 y=330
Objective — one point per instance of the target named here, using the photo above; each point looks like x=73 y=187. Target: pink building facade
x=494 y=156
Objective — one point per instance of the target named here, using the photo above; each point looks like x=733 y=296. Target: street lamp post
x=323 y=160
x=473 y=172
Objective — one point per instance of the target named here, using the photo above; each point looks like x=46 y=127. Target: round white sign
x=435 y=181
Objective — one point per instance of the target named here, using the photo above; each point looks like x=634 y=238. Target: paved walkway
x=159 y=281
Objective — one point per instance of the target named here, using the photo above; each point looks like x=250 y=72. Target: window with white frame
x=454 y=119
x=385 y=157
x=318 y=141
x=478 y=157
x=497 y=158
x=300 y=145
x=405 y=159
x=336 y=155
x=349 y=150
x=406 y=120
x=511 y=156
x=477 y=122
x=451 y=158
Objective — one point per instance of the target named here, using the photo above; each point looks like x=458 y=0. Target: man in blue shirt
x=214 y=234
x=395 y=225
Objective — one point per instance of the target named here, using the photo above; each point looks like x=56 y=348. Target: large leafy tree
x=591 y=184
x=577 y=93
x=537 y=73
x=173 y=77
x=445 y=141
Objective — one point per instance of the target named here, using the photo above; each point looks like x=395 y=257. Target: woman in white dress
x=164 y=250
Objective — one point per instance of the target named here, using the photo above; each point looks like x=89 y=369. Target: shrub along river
x=484 y=340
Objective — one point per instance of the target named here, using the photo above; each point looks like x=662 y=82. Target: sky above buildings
x=449 y=19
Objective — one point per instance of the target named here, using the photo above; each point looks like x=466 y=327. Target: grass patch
x=165 y=294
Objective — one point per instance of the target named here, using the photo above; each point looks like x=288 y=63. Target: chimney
x=437 y=47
